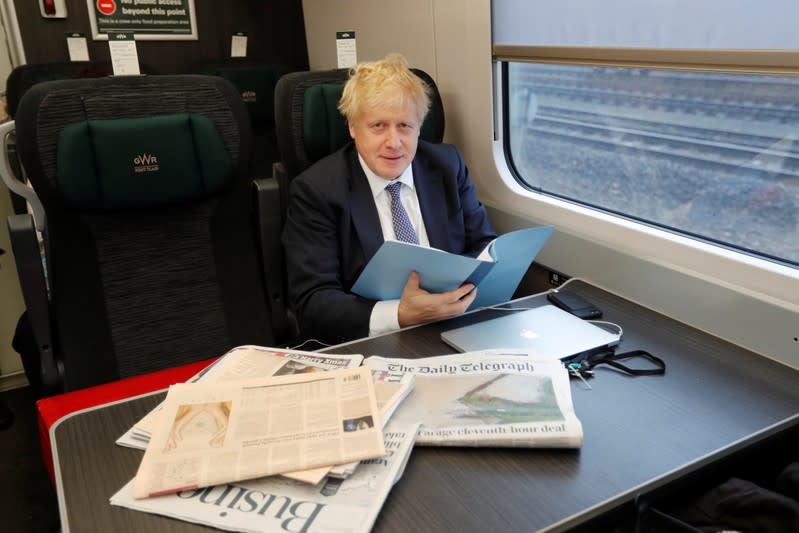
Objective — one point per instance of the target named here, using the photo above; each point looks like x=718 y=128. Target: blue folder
x=387 y=272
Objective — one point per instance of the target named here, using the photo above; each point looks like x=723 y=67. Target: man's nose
x=392 y=137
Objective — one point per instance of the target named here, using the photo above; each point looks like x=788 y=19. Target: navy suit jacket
x=332 y=229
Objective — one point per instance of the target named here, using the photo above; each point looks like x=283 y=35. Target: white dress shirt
x=384 y=316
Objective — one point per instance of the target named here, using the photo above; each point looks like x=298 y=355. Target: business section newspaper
x=211 y=434
x=280 y=504
x=487 y=398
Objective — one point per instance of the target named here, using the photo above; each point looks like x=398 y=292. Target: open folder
x=496 y=273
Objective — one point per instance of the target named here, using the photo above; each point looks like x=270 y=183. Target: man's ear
x=349 y=127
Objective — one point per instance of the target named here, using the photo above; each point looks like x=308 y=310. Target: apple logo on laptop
x=529 y=334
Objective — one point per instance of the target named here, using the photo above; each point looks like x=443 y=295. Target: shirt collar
x=378 y=184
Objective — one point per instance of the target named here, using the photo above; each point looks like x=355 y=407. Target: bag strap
x=614 y=360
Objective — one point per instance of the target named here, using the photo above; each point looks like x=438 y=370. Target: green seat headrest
x=324 y=127
x=257 y=87
x=141 y=162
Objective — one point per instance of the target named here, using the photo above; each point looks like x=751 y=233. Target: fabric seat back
x=255 y=82
x=151 y=251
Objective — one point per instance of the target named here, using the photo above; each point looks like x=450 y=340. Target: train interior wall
x=274 y=29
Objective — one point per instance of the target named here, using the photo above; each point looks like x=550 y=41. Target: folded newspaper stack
x=247 y=362
x=487 y=398
x=279 y=504
x=209 y=434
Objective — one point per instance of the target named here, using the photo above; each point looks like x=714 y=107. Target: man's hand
x=417 y=305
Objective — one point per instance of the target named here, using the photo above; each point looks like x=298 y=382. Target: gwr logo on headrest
x=248 y=96
x=145 y=163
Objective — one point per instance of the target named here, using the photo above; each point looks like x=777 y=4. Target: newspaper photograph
x=277 y=504
x=208 y=434
x=246 y=362
x=487 y=398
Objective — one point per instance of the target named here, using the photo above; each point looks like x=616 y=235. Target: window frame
x=740 y=61
x=774 y=281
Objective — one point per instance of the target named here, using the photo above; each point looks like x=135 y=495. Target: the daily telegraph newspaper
x=208 y=434
x=487 y=398
x=246 y=362
x=277 y=504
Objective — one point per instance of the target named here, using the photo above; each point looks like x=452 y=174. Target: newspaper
x=277 y=504
x=488 y=398
x=255 y=361
x=209 y=434
x=245 y=362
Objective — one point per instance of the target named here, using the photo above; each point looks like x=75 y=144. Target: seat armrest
x=12 y=175
x=18 y=203
x=25 y=244
x=269 y=222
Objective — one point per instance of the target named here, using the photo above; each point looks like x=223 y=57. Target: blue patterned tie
x=403 y=229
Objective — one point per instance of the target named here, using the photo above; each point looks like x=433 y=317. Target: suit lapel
x=363 y=211
x=432 y=202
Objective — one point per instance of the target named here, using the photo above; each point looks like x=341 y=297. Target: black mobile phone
x=574 y=304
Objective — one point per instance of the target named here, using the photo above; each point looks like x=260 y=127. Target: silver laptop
x=547 y=331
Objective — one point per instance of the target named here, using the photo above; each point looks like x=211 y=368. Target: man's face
x=386 y=137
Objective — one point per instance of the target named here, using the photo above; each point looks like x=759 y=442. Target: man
x=340 y=211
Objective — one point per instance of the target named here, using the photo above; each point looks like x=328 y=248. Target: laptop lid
x=546 y=330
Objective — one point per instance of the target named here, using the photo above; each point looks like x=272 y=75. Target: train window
x=708 y=154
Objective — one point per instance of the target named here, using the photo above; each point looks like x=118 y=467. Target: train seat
x=149 y=241
x=256 y=82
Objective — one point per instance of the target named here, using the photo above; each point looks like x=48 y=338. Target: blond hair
x=386 y=82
